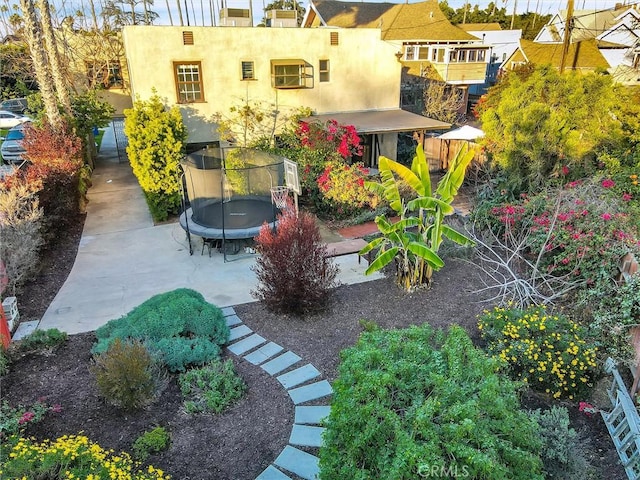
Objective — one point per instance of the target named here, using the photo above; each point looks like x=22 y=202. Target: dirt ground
x=239 y=443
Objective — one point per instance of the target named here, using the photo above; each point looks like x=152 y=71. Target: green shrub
x=180 y=327
x=43 y=339
x=612 y=310
x=294 y=273
x=126 y=374
x=152 y=441
x=76 y=456
x=408 y=403
x=547 y=351
x=562 y=456
x=211 y=388
x=156 y=145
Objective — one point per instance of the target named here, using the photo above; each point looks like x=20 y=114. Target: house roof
x=382 y=121
x=406 y=21
x=587 y=23
x=480 y=27
x=581 y=55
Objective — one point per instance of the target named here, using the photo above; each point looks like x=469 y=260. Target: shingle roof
x=480 y=27
x=413 y=21
x=583 y=54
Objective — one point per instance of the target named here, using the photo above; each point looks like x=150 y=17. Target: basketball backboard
x=291 y=178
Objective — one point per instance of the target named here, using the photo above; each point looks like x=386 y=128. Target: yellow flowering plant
x=547 y=351
x=71 y=457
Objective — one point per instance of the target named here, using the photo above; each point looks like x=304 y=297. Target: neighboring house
x=208 y=70
x=503 y=44
x=96 y=60
x=582 y=56
x=426 y=43
x=616 y=31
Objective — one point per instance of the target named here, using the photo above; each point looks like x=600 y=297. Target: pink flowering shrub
x=330 y=137
x=14 y=421
x=342 y=187
x=582 y=230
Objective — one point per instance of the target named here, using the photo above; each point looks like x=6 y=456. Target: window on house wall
x=423 y=53
x=409 y=53
x=104 y=74
x=481 y=55
x=291 y=74
x=323 y=69
x=462 y=55
x=248 y=71
x=473 y=54
x=188 y=77
x=453 y=56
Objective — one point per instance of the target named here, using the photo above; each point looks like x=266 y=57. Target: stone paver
x=310 y=392
x=306 y=436
x=246 y=344
x=24 y=329
x=233 y=320
x=239 y=332
x=298 y=376
x=272 y=473
x=280 y=363
x=313 y=415
x=264 y=353
x=228 y=311
x=301 y=463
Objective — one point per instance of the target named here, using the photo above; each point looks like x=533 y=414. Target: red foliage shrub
x=57 y=148
x=294 y=273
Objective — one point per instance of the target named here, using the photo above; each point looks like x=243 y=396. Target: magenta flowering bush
x=580 y=231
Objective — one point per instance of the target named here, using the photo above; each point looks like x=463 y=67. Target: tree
x=50 y=44
x=115 y=16
x=414 y=240
x=441 y=101
x=539 y=123
x=33 y=36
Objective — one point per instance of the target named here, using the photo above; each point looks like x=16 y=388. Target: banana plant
x=413 y=241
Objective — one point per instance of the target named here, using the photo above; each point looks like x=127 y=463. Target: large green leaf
x=420 y=167
x=372 y=245
x=424 y=252
x=429 y=203
x=450 y=183
x=382 y=260
x=456 y=236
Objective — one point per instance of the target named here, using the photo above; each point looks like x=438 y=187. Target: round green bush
x=179 y=327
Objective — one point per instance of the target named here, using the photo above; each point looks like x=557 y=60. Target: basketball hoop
x=279 y=196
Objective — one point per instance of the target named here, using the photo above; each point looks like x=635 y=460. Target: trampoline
x=227 y=194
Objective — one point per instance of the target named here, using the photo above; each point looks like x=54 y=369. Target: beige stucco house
x=207 y=70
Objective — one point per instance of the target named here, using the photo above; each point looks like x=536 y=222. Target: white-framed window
x=481 y=55
x=423 y=53
x=453 y=56
x=473 y=55
x=323 y=70
x=188 y=78
x=409 y=53
x=462 y=55
x=291 y=74
x=248 y=71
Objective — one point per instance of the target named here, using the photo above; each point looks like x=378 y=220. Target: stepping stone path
x=303 y=384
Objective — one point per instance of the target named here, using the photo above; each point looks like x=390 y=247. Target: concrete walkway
x=124 y=259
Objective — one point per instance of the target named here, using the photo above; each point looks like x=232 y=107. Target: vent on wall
x=334 y=38
x=187 y=38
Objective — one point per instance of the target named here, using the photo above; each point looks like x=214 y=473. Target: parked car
x=12 y=150
x=10 y=120
x=14 y=105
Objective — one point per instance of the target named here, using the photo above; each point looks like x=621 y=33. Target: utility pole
x=466 y=7
x=513 y=16
x=568 y=26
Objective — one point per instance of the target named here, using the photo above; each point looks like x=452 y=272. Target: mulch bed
x=239 y=443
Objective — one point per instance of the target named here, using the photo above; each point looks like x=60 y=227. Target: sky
x=160 y=6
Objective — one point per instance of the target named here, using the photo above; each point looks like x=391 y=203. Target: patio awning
x=381 y=121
